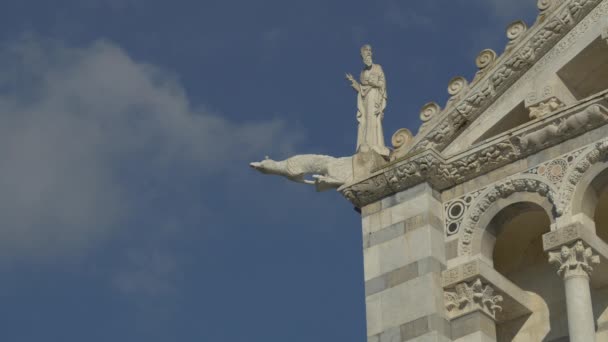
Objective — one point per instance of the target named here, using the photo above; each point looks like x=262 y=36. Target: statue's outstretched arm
x=353 y=82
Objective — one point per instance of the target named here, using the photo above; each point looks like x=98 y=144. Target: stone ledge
x=514 y=298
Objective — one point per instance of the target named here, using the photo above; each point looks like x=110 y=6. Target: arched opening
x=591 y=199
x=596 y=203
x=518 y=255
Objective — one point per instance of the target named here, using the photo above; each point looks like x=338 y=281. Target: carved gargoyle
x=324 y=172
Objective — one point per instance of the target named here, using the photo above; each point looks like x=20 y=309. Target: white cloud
x=73 y=119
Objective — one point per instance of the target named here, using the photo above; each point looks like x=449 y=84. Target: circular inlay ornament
x=456 y=210
x=556 y=170
x=453 y=228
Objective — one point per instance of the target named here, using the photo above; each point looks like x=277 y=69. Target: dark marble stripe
x=403 y=274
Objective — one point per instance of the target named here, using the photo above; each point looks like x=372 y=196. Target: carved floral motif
x=575 y=260
x=467 y=297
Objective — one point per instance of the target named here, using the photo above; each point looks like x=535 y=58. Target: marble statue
x=371 y=102
x=325 y=172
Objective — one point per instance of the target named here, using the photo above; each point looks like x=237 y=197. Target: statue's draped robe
x=371 y=102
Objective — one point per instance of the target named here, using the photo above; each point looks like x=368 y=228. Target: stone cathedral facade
x=491 y=223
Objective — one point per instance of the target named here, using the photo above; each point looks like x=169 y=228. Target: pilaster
x=404 y=256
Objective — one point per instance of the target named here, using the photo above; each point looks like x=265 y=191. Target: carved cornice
x=430 y=166
x=574 y=260
x=555 y=21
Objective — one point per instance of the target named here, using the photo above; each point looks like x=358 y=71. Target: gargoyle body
x=324 y=172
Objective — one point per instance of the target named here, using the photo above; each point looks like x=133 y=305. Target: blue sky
x=127 y=210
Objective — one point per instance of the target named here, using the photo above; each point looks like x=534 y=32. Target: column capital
x=574 y=260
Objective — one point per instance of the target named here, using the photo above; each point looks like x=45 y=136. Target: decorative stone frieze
x=544 y=102
x=473 y=296
x=556 y=20
x=545 y=107
x=574 y=260
x=430 y=166
x=578 y=123
x=554 y=170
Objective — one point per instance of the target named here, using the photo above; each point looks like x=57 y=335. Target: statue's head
x=366 y=54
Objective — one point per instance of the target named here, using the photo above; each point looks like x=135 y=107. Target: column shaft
x=579 y=306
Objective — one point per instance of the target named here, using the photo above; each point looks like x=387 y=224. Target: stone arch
x=512 y=242
x=574 y=195
x=528 y=188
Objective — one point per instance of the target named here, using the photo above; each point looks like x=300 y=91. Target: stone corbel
x=477 y=287
x=472 y=296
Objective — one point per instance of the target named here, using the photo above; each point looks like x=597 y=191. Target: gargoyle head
x=265 y=166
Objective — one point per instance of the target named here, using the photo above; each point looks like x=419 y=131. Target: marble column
x=574 y=265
